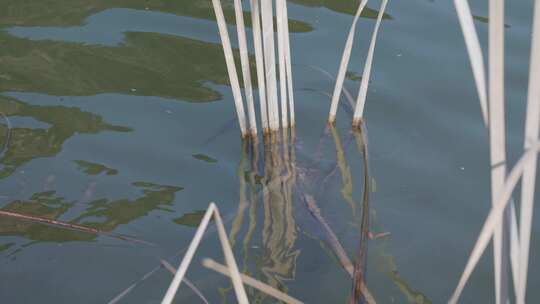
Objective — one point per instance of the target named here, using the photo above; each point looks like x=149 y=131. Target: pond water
x=122 y=120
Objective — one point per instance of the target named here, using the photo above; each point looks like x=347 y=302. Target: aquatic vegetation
x=508 y=242
x=269 y=100
x=95 y=169
x=73 y=12
x=145 y=64
x=27 y=144
x=362 y=94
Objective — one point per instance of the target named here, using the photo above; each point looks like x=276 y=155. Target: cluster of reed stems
x=265 y=60
x=281 y=177
x=362 y=94
x=511 y=240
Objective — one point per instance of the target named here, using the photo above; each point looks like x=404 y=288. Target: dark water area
x=122 y=120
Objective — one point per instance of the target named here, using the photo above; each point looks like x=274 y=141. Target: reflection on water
x=73 y=12
x=95 y=169
x=343 y=6
x=145 y=64
x=102 y=214
x=27 y=144
x=266 y=181
x=270 y=183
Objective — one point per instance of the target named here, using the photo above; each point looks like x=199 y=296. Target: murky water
x=122 y=121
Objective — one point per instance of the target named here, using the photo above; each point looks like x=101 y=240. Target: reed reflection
x=271 y=185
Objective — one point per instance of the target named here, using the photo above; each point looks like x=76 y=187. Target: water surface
x=123 y=120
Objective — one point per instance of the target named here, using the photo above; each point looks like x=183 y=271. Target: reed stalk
x=361 y=100
x=189 y=284
x=227 y=251
x=288 y=64
x=259 y=61
x=532 y=125
x=497 y=137
x=270 y=63
x=231 y=68
x=475 y=53
x=244 y=61
x=495 y=216
x=269 y=290
x=477 y=63
x=281 y=55
x=344 y=64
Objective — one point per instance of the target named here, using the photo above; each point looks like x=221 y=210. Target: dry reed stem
x=281 y=55
x=532 y=125
x=231 y=68
x=259 y=60
x=244 y=62
x=227 y=251
x=270 y=64
x=344 y=64
x=269 y=290
x=189 y=284
x=288 y=64
x=475 y=53
x=477 y=63
x=497 y=137
x=362 y=94
x=495 y=217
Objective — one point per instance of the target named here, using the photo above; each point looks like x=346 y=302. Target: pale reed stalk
x=495 y=217
x=497 y=137
x=361 y=100
x=227 y=251
x=288 y=65
x=231 y=68
x=244 y=61
x=270 y=64
x=281 y=55
x=532 y=125
x=475 y=53
x=344 y=64
x=259 y=60
x=267 y=289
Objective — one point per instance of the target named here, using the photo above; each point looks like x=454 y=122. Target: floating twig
x=269 y=290
x=189 y=284
x=212 y=211
x=64 y=225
